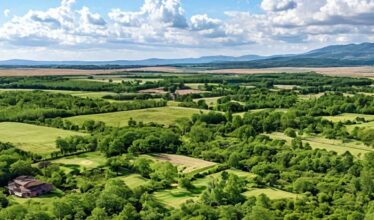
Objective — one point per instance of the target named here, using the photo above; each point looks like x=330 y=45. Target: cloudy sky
x=137 y=29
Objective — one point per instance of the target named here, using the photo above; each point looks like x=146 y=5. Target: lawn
x=44 y=201
x=85 y=161
x=348 y=117
x=133 y=180
x=33 y=138
x=163 y=115
x=354 y=147
x=185 y=164
x=271 y=193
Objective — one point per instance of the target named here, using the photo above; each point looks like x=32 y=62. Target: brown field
x=185 y=164
x=188 y=91
x=153 y=91
x=362 y=71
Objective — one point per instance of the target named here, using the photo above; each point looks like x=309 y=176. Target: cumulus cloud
x=278 y=5
x=6 y=12
x=164 y=23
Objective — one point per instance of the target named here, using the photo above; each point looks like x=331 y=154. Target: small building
x=27 y=187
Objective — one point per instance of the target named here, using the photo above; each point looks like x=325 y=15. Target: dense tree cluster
x=38 y=105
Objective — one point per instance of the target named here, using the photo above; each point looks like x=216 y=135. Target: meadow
x=356 y=148
x=163 y=115
x=348 y=117
x=32 y=138
x=85 y=161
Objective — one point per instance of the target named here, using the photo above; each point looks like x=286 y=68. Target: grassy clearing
x=348 y=117
x=362 y=125
x=311 y=96
x=85 y=161
x=163 y=115
x=285 y=87
x=83 y=94
x=33 y=138
x=271 y=193
x=211 y=102
x=133 y=180
x=120 y=80
x=355 y=148
x=185 y=164
x=262 y=109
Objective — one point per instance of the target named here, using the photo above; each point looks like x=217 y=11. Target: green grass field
x=32 y=138
x=119 y=80
x=163 y=115
x=85 y=161
x=361 y=125
x=177 y=196
x=43 y=201
x=348 y=117
x=311 y=96
x=355 y=148
x=271 y=193
x=262 y=109
x=83 y=94
x=211 y=102
x=133 y=180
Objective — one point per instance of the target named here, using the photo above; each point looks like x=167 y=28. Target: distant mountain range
x=336 y=55
x=146 y=62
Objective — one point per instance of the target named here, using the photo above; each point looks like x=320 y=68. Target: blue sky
x=213 y=8
x=137 y=29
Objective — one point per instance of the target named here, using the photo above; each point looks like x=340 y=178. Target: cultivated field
x=362 y=71
x=32 y=138
x=185 y=164
x=163 y=115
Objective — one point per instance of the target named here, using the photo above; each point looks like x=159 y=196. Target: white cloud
x=6 y=12
x=278 y=5
x=298 y=24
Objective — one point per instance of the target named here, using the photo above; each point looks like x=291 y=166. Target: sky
x=139 y=29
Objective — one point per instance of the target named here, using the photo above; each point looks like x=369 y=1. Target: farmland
x=32 y=138
x=354 y=147
x=164 y=115
x=110 y=147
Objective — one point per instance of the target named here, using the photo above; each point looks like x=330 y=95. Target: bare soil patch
x=153 y=91
x=189 y=91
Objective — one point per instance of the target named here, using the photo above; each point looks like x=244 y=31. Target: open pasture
x=348 y=117
x=163 y=115
x=211 y=101
x=33 y=138
x=354 y=147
